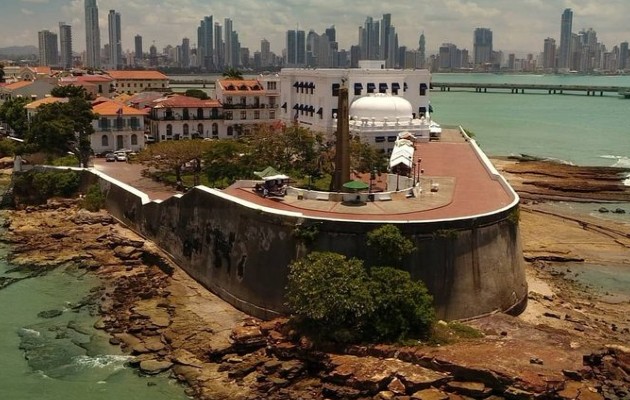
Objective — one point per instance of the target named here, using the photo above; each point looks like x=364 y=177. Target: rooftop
x=137 y=75
x=113 y=108
x=179 y=101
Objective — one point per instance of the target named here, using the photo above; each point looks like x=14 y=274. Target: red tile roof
x=178 y=101
x=137 y=75
x=113 y=108
x=240 y=85
x=18 y=85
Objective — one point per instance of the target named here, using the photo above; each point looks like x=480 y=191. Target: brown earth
x=568 y=344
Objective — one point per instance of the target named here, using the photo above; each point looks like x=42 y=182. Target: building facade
x=65 y=43
x=117 y=127
x=296 y=48
x=132 y=82
x=566 y=26
x=115 y=40
x=309 y=97
x=482 y=46
x=92 y=35
x=48 y=49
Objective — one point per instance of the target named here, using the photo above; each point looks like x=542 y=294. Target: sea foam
x=103 y=361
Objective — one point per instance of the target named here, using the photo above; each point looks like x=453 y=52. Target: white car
x=121 y=156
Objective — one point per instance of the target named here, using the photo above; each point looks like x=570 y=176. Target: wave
x=29 y=332
x=621 y=161
x=103 y=361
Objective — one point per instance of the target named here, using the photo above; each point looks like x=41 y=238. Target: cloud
x=26 y=11
x=35 y=1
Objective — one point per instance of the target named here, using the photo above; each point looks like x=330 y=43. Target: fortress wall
x=241 y=251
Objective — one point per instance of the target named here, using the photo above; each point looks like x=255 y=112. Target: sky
x=518 y=26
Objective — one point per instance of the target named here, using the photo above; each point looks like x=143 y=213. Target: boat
x=625 y=92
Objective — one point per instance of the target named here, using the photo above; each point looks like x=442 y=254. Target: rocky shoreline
x=568 y=344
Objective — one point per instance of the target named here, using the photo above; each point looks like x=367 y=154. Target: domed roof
x=380 y=106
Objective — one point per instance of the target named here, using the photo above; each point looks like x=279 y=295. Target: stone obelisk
x=342 y=146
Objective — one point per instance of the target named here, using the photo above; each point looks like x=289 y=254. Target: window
x=371 y=87
x=358 y=88
x=215 y=113
x=243 y=114
x=169 y=130
x=423 y=89
x=200 y=129
x=134 y=139
x=134 y=123
x=200 y=113
x=272 y=114
x=243 y=100
x=391 y=139
x=335 y=89
x=186 y=113
x=256 y=114
x=104 y=141
x=185 y=129
x=230 y=131
x=382 y=87
x=271 y=85
x=104 y=123
x=395 y=88
x=379 y=139
x=228 y=115
x=228 y=100
x=334 y=112
x=215 y=129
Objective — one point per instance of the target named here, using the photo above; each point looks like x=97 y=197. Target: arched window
x=185 y=129
x=134 y=139
x=215 y=129
x=230 y=131
x=169 y=130
x=104 y=141
x=200 y=113
x=200 y=129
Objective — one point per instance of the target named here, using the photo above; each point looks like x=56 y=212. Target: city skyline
x=518 y=27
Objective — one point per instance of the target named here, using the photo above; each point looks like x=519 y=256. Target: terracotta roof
x=185 y=102
x=18 y=85
x=240 y=85
x=47 y=100
x=113 y=108
x=138 y=75
x=42 y=69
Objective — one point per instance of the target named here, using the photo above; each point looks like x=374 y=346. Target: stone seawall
x=240 y=251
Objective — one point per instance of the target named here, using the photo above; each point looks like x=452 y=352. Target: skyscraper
x=482 y=46
x=65 y=42
x=115 y=44
x=92 y=35
x=229 y=50
x=566 y=26
x=265 y=53
x=623 y=55
x=48 y=50
x=422 y=48
x=296 y=48
x=185 y=56
x=369 y=36
x=138 y=46
x=549 y=54
x=205 y=43
x=219 y=48
x=386 y=23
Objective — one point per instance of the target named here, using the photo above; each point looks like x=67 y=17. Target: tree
x=330 y=295
x=61 y=127
x=233 y=73
x=227 y=160
x=366 y=158
x=1 y=73
x=402 y=307
x=198 y=93
x=173 y=155
x=389 y=245
x=14 y=114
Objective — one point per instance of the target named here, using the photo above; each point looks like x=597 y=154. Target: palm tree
x=233 y=73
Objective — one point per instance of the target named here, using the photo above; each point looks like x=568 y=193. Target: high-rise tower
x=549 y=54
x=92 y=35
x=566 y=25
x=482 y=46
x=422 y=49
x=138 y=47
x=65 y=42
x=115 y=44
x=205 y=43
x=48 y=50
x=296 y=48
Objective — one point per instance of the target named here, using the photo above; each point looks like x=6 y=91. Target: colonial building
x=181 y=117
x=31 y=108
x=117 y=127
x=33 y=90
x=310 y=96
x=131 y=82
x=248 y=102
x=96 y=85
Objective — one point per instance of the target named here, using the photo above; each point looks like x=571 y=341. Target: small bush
x=94 y=199
x=389 y=245
x=67 y=161
x=452 y=332
x=7 y=147
x=38 y=186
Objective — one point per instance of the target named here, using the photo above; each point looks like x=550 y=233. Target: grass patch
x=444 y=333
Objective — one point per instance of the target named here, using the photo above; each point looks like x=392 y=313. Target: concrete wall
x=241 y=251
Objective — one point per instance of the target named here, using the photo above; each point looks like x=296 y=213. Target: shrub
x=94 y=199
x=402 y=307
x=329 y=295
x=66 y=161
x=38 y=186
x=7 y=147
x=389 y=245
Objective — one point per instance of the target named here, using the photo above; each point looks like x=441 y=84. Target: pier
x=590 y=90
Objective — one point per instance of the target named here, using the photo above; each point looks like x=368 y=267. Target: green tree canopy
x=61 y=127
x=171 y=156
x=14 y=114
x=330 y=294
x=389 y=245
x=232 y=73
x=198 y=93
x=366 y=158
x=1 y=73
x=226 y=161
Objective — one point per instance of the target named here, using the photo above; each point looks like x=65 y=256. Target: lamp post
x=397 y=176
x=418 y=170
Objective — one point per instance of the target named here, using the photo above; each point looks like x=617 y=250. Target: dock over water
x=590 y=90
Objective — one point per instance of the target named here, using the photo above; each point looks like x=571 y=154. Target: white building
x=310 y=96
x=378 y=119
x=181 y=117
x=117 y=127
x=248 y=102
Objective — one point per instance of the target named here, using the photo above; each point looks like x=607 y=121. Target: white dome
x=380 y=106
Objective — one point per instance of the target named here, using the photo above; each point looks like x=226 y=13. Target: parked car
x=110 y=157
x=121 y=156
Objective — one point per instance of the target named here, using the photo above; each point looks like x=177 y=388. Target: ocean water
x=63 y=358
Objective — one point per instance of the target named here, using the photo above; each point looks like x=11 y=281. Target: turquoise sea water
x=63 y=358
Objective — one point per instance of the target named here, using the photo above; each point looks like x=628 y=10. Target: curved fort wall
x=241 y=251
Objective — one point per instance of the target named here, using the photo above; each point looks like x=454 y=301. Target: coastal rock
x=248 y=337
x=84 y=217
x=472 y=389
x=154 y=367
x=127 y=253
x=49 y=314
x=430 y=394
x=184 y=357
